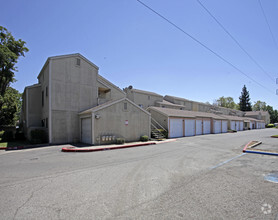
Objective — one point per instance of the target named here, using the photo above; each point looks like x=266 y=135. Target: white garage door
x=257 y=125
x=217 y=126
x=199 y=127
x=206 y=125
x=233 y=125
x=86 y=130
x=250 y=125
x=241 y=126
x=189 y=127
x=224 y=126
x=237 y=125
x=176 y=128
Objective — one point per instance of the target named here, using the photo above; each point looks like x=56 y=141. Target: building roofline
x=67 y=56
x=101 y=78
x=146 y=92
x=105 y=105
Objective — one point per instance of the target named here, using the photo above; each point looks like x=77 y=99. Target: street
x=201 y=177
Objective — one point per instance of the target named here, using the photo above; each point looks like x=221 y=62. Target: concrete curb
x=248 y=149
x=3 y=148
x=69 y=149
x=27 y=147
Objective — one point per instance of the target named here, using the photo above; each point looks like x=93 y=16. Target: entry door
x=189 y=127
x=199 y=129
x=224 y=126
x=206 y=125
x=86 y=130
x=176 y=128
x=217 y=126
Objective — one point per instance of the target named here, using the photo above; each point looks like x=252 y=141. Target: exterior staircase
x=157 y=130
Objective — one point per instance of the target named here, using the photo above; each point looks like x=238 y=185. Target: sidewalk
x=70 y=148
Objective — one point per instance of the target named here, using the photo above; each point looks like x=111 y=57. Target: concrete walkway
x=70 y=148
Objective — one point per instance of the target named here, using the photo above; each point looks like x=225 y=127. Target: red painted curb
x=3 y=148
x=65 y=149
x=244 y=149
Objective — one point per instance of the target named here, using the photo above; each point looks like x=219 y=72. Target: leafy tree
x=227 y=102
x=244 y=100
x=11 y=107
x=10 y=51
x=259 y=105
x=273 y=114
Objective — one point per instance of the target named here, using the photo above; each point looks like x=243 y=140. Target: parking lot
x=201 y=177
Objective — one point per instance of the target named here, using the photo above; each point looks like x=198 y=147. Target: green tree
x=11 y=107
x=244 y=100
x=273 y=114
x=227 y=102
x=10 y=51
x=259 y=106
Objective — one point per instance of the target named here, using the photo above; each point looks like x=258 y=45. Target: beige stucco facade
x=68 y=85
x=117 y=119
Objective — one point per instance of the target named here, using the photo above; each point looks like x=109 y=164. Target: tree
x=10 y=51
x=259 y=105
x=272 y=113
x=11 y=107
x=244 y=100
x=227 y=102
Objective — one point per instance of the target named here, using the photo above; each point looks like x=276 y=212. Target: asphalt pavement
x=201 y=177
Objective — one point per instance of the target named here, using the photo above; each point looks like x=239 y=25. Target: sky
x=132 y=45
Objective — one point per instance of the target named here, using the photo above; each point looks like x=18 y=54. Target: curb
x=3 y=148
x=251 y=146
x=247 y=149
x=66 y=149
x=27 y=147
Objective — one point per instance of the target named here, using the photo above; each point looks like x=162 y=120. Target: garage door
x=257 y=125
x=217 y=126
x=189 y=127
x=224 y=126
x=237 y=125
x=233 y=125
x=206 y=125
x=199 y=129
x=250 y=125
x=176 y=128
x=86 y=130
x=241 y=126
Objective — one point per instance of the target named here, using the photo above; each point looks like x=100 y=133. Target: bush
x=120 y=141
x=1 y=134
x=19 y=136
x=7 y=136
x=144 y=138
x=270 y=126
x=38 y=136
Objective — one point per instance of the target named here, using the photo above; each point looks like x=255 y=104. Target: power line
x=203 y=45
x=269 y=28
x=236 y=41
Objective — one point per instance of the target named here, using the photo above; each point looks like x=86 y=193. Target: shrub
x=38 y=136
x=1 y=134
x=7 y=136
x=19 y=136
x=144 y=138
x=270 y=126
x=120 y=140
x=232 y=131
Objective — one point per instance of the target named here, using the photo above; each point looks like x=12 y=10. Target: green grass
x=274 y=136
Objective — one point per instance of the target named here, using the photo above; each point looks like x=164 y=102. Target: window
x=42 y=98
x=125 y=106
x=77 y=62
x=46 y=91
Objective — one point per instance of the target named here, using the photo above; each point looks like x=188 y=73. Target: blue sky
x=133 y=46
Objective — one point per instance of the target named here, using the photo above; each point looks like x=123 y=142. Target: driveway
x=201 y=177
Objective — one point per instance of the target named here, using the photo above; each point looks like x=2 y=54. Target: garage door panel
x=206 y=125
x=224 y=126
x=189 y=127
x=176 y=128
x=199 y=129
x=217 y=126
x=86 y=130
x=241 y=126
